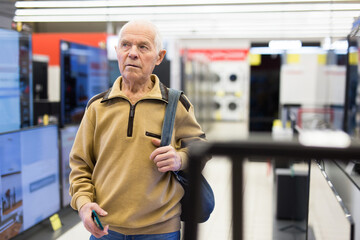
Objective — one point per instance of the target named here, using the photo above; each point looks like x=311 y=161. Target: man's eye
x=143 y=47
x=124 y=44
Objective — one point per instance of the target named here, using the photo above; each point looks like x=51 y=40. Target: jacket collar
x=159 y=91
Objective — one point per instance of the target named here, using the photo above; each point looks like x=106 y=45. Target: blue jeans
x=118 y=236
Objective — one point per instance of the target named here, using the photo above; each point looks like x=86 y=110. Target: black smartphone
x=96 y=220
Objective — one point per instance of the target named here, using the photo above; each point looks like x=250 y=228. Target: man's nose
x=133 y=52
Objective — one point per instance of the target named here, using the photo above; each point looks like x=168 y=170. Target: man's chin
x=133 y=76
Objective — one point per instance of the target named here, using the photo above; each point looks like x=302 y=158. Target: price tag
x=55 y=222
x=293 y=58
x=255 y=59
x=238 y=94
x=220 y=93
x=353 y=58
x=218 y=116
x=322 y=59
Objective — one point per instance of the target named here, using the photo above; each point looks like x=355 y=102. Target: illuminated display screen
x=15 y=80
x=67 y=136
x=84 y=73
x=9 y=81
x=29 y=183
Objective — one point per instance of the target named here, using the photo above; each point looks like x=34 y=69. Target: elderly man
x=118 y=168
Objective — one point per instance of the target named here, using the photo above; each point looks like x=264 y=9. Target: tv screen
x=84 y=73
x=15 y=80
x=67 y=137
x=29 y=183
x=9 y=81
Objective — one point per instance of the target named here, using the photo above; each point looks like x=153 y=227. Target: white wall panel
x=54 y=83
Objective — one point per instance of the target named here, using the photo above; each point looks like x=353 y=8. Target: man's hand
x=165 y=158
x=85 y=215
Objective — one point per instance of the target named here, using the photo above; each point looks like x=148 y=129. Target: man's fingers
x=161 y=156
x=156 y=142
x=165 y=158
x=96 y=231
x=163 y=163
x=159 y=151
x=101 y=233
x=100 y=211
x=106 y=229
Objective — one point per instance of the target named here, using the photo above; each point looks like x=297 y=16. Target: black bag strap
x=168 y=124
x=207 y=195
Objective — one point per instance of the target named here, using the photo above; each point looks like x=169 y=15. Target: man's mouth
x=132 y=65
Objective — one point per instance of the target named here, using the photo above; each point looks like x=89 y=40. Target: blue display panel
x=9 y=81
x=84 y=73
x=67 y=137
x=15 y=80
x=29 y=183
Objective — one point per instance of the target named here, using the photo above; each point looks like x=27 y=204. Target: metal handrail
x=238 y=151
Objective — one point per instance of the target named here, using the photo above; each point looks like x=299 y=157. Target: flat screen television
x=29 y=182
x=67 y=137
x=84 y=73
x=15 y=80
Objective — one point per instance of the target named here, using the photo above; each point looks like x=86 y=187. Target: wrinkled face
x=137 y=54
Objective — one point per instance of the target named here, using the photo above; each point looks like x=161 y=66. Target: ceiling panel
x=269 y=19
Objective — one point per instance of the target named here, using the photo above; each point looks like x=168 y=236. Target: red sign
x=218 y=54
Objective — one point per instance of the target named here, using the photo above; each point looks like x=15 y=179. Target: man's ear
x=161 y=56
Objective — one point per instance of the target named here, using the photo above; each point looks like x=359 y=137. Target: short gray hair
x=157 y=39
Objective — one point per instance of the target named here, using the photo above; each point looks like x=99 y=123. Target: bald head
x=138 y=53
x=149 y=26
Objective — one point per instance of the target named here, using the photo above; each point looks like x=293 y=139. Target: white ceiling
x=252 y=19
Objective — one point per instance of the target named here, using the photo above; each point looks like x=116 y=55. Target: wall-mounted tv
x=29 y=182
x=84 y=73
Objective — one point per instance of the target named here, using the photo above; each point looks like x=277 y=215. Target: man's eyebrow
x=144 y=43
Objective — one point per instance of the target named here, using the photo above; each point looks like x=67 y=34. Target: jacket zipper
x=131 y=120
x=149 y=134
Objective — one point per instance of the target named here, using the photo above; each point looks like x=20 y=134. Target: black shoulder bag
x=206 y=195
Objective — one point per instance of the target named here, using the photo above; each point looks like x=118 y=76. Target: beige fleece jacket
x=110 y=162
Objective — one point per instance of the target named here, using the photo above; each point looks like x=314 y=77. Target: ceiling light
x=189 y=9
x=285 y=44
x=137 y=3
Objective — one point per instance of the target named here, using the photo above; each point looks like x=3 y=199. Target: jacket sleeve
x=82 y=164
x=186 y=130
